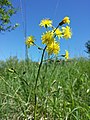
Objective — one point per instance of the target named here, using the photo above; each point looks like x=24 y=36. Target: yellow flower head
x=66 y=20
x=29 y=41
x=46 y=23
x=66 y=32
x=66 y=54
x=58 y=33
x=53 y=48
x=47 y=38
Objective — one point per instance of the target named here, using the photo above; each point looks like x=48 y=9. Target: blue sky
x=12 y=43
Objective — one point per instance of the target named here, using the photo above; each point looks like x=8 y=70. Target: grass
x=63 y=90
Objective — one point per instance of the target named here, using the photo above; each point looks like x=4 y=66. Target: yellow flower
x=66 y=32
x=66 y=54
x=46 y=23
x=29 y=41
x=66 y=20
x=58 y=33
x=47 y=37
x=53 y=48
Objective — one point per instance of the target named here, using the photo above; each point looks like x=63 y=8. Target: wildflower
x=66 y=20
x=58 y=33
x=53 y=48
x=66 y=32
x=66 y=55
x=47 y=37
x=30 y=41
x=46 y=23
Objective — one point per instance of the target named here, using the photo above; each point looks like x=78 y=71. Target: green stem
x=38 y=46
x=60 y=24
x=35 y=107
x=56 y=28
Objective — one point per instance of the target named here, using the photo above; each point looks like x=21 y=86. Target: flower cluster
x=51 y=37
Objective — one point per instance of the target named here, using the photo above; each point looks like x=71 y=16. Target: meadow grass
x=63 y=90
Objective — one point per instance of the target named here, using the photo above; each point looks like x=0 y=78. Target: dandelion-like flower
x=30 y=41
x=66 y=54
x=47 y=38
x=66 y=32
x=58 y=33
x=46 y=23
x=66 y=20
x=53 y=48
